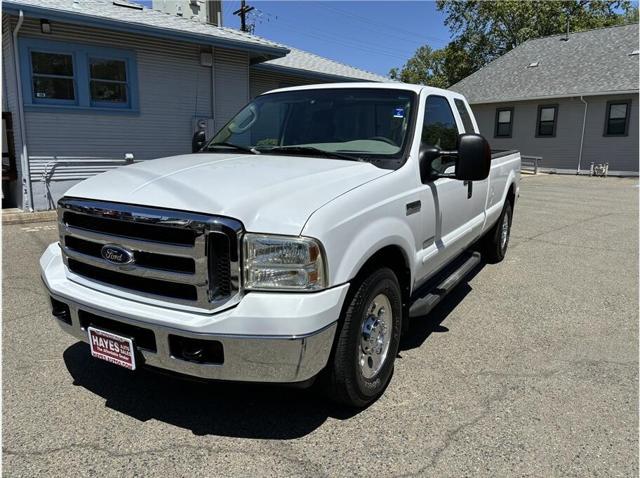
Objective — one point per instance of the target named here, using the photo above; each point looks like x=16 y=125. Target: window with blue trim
x=59 y=74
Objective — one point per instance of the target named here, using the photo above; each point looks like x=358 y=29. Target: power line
x=367 y=47
x=406 y=34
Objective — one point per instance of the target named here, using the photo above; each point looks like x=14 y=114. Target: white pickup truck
x=295 y=244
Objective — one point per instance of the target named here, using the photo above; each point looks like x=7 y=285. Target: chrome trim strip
x=128 y=242
x=202 y=226
x=198 y=279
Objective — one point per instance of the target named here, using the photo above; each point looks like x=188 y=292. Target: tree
x=485 y=30
x=425 y=67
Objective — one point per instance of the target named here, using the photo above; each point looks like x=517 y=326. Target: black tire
x=493 y=248
x=346 y=382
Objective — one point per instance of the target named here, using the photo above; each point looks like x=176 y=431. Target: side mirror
x=428 y=154
x=474 y=158
x=198 y=141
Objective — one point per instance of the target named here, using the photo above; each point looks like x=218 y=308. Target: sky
x=372 y=35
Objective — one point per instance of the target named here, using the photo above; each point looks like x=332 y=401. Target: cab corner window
x=463 y=111
x=504 y=123
x=617 y=119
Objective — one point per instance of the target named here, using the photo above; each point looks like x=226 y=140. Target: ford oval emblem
x=117 y=254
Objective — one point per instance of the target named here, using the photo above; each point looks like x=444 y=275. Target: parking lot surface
x=529 y=369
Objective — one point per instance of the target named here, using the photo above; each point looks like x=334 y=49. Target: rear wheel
x=496 y=242
x=368 y=340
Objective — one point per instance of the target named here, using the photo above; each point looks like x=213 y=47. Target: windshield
x=350 y=123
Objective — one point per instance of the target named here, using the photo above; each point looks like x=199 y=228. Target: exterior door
x=450 y=224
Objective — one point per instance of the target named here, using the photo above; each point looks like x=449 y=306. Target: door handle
x=469 y=185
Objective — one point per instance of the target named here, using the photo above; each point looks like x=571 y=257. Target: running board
x=424 y=303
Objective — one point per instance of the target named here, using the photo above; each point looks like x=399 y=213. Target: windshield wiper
x=234 y=146
x=310 y=151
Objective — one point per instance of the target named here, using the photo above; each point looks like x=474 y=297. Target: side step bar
x=434 y=291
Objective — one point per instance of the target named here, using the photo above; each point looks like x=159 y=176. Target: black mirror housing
x=474 y=158
x=427 y=155
x=198 y=141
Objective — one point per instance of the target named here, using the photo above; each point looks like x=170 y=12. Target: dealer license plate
x=112 y=348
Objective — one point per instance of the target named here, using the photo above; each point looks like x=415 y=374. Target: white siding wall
x=562 y=151
x=173 y=88
x=231 y=84
x=262 y=81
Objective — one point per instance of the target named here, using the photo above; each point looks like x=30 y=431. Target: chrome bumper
x=250 y=358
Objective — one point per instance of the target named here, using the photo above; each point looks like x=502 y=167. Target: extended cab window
x=358 y=123
x=463 y=111
x=440 y=130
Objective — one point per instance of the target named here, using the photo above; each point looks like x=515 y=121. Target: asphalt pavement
x=529 y=369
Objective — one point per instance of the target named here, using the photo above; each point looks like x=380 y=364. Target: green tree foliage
x=484 y=30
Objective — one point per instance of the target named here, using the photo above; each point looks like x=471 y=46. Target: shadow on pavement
x=206 y=408
x=230 y=409
x=421 y=328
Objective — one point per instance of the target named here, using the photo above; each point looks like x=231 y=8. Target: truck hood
x=268 y=193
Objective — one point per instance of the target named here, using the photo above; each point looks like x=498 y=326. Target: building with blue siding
x=93 y=84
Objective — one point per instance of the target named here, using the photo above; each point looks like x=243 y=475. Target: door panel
x=456 y=217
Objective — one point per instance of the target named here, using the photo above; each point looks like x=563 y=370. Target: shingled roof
x=303 y=62
x=125 y=16
x=593 y=62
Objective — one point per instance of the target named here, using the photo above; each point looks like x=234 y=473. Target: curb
x=28 y=217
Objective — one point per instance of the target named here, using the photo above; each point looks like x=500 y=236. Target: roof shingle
x=155 y=21
x=590 y=62
x=305 y=62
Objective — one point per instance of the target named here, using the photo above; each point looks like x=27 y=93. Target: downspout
x=213 y=90
x=584 y=123
x=24 y=157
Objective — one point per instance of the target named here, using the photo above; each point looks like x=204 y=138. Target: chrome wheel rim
x=375 y=338
x=504 y=236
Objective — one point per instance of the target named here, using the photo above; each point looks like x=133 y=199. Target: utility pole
x=242 y=12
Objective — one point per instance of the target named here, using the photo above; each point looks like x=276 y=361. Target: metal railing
x=532 y=163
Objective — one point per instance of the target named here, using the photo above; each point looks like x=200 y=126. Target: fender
x=493 y=211
x=366 y=242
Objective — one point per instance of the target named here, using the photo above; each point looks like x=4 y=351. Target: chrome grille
x=185 y=258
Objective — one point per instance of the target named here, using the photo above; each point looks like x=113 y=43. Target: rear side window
x=464 y=116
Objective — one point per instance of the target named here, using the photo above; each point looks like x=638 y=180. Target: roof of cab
x=387 y=85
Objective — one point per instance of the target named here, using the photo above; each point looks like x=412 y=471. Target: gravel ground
x=529 y=369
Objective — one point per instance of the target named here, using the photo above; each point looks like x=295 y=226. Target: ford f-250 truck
x=296 y=243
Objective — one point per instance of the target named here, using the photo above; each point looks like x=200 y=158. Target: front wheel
x=368 y=340
x=495 y=243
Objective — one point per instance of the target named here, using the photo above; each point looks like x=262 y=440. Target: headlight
x=283 y=262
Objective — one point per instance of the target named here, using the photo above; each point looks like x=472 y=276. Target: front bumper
x=267 y=337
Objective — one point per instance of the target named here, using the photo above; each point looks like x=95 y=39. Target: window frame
x=495 y=129
x=74 y=76
x=107 y=104
x=556 y=108
x=456 y=122
x=607 y=111
x=81 y=55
